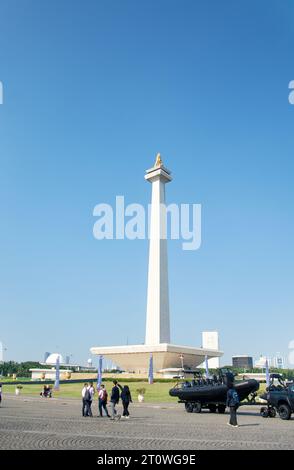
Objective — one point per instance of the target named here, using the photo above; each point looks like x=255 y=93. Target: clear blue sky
x=92 y=91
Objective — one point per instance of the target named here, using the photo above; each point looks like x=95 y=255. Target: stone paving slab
x=36 y=423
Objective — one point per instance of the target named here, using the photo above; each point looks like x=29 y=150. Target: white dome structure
x=51 y=360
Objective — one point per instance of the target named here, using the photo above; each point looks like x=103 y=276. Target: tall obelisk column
x=157 y=321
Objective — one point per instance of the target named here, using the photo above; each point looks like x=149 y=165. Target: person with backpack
x=114 y=399
x=233 y=403
x=102 y=401
x=126 y=400
x=90 y=398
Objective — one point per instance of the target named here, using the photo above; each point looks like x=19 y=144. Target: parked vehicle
x=280 y=398
x=204 y=392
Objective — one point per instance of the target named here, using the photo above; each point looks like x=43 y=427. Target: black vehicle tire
x=197 y=407
x=212 y=408
x=189 y=406
x=284 y=411
x=221 y=409
x=264 y=412
x=272 y=413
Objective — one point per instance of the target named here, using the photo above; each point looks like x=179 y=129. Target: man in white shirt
x=85 y=395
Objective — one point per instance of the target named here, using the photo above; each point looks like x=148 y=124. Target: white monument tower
x=166 y=356
x=157 y=320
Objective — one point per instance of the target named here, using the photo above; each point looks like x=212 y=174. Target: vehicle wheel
x=189 y=407
x=284 y=411
x=221 y=409
x=264 y=412
x=272 y=413
x=197 y=407
x=212 y=408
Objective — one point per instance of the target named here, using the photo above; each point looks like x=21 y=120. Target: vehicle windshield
x=276 y=382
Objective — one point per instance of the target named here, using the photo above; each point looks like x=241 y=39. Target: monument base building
x=135 y=358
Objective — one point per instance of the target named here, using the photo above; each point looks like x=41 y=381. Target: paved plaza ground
x=36 y=423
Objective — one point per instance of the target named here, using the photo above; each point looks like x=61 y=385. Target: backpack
x=235 y=401
x=87 y=396
x=104 y=395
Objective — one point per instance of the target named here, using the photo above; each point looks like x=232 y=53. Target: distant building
x=260 y=363
x=210 y=340
x=242 y=362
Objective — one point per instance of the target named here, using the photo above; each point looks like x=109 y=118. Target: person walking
x=0 y=393
x=114 y=399
x=102 y=401
x=233 y=403
x=126 y=400
x=85 y=395
x=90 y=397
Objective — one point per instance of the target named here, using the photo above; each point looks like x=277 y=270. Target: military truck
x=280 y=396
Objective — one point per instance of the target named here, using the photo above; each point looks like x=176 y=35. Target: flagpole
x=267 y=373
x=99 y=373
x=206 y=367
x=150 y=374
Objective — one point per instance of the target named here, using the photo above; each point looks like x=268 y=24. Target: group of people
x=46 y=392
x=117 y=392
x=123 y=393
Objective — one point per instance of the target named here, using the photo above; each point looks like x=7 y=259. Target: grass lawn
x=157 y=392
x=9 y=379
x=262 y=388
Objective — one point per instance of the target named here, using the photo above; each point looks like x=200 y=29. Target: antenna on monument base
x=182 y=360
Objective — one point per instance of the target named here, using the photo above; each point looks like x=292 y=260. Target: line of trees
x=287 y=373
x=20 y=369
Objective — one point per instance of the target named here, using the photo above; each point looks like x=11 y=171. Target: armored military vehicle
x=280 y=397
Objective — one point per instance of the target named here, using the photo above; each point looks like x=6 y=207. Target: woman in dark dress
x=126 y=399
